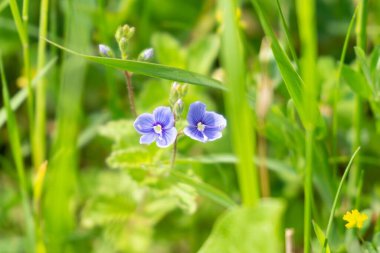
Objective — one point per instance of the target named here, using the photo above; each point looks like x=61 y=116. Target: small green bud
x=174 y=93
x=178 y=108
x=119 y=34
x=184 y=89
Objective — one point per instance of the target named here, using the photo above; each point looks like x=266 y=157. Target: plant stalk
x=40 y=127
x=131 y=94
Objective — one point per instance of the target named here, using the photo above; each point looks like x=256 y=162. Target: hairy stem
x=131 y=94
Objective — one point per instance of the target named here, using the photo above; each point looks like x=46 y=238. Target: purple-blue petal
x=195 y=134
x=212 y=133
x=148 y=138
x=164 y=116
x=144 y=123
x=196 y=113
x=214 y=120
x=167 y=138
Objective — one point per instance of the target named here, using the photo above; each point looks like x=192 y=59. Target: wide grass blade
x=151 y=69
x=15 y=144
x=239 y=113
x=20 y=97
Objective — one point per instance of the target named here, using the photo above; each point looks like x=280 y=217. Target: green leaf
x=321 y=237
x=130 y=158
x=357 y=82
x=203 y=189
x=248 y=230
x=151 y=69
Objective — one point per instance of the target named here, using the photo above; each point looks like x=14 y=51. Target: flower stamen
x=201 y=126
x=157 y=129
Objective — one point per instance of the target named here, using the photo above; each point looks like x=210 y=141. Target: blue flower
x=203 y=125
x=158 y=127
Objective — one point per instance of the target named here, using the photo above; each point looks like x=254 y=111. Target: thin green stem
x=308 y=189
x=25 y=9
x=174 y=154
x=40 y=127
x=15 y=144
x=337 y=90
x=22 y=29
x=131 y=94
x=332 y=212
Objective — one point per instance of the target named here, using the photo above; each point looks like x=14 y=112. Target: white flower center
x=201 y=127
x=157 y=129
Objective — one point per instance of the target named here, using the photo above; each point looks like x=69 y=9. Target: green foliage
x=248 y=229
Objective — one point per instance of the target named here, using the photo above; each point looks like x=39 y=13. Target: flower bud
x=146 y=55
x=178 y=108
x=106 y=51
x=123 y=45
x=174 y=93
x=183 y=89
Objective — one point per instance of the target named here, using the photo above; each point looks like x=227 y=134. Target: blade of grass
x=204 y=189
x=61 y=180
x=361 y=42
x=15 y=144
x=22 y=29
x=337 y=87
x=332 y=212
x=20 y=97
x=39 y=138
x=293 y=81
x=287 y=34
x=238 y=111
x=150 y=69
x=306 y=15
x=3 y=4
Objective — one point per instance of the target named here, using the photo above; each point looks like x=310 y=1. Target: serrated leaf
x=357 y=82
x=248 y=230
x=151 y=69
x=130 y=158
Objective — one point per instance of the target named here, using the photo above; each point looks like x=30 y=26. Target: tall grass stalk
x=59 y=218
x=238 y=111
x=15 y=144
x=22 y=29
x=361 y=42
x=308 y=35
x=337 y=90
x=40 y=128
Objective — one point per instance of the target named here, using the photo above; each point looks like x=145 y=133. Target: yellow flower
x=354 y=219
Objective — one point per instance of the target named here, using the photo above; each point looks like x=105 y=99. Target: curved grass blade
x=337 y=196
x=287 y=34
x=20 y=97
x=204 y=189
x=150 y=69
x=15 y=144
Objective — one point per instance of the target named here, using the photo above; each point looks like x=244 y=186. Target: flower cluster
x=202 y=126
x=354 y=219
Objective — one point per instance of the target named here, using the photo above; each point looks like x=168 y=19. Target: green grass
x=100 y=190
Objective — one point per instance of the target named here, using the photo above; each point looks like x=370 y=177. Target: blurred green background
x=103 y=192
